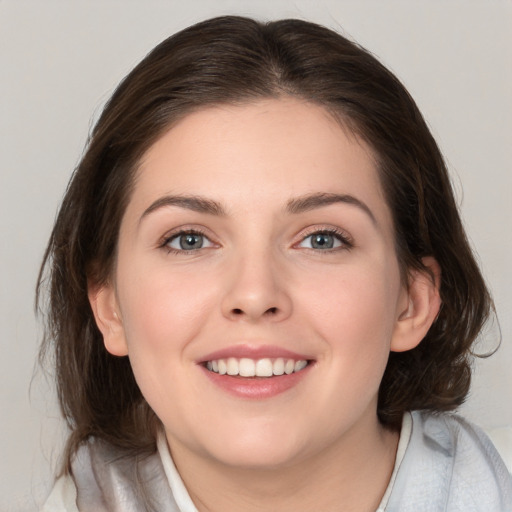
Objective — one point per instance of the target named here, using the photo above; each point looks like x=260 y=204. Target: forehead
x=266 y=151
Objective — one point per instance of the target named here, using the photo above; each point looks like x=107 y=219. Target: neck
x=352 y=473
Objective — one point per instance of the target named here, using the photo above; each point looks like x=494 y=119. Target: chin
x=256 y=458
x=263 y=448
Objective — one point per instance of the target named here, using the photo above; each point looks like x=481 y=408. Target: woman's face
x=258 y=241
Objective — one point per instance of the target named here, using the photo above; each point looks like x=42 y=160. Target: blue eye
x=324 y=240
x=191 y=241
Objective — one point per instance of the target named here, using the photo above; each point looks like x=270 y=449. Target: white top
x=443 y=464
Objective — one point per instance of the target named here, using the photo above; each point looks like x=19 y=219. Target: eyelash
x=164 y=244
x=345 y=240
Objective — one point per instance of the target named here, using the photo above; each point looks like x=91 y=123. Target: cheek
x=162 y=315
x=162 y=311
x=350 y=311
x=356 y=313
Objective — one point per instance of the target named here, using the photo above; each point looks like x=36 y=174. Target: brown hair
x=234 y=60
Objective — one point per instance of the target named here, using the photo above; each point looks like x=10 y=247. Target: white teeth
x=233 y=367
x=300 y=365
x=289 y=366
x=279 y=366
x=264 y=368
x=222 y=367
x=246 y=367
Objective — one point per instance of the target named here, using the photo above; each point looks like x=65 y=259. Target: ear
x=105 y=308
x=419 y=308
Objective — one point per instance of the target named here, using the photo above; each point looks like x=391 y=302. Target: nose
x=256 y=290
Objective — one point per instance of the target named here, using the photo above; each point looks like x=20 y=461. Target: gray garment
x=449 y=466
x=107 y=480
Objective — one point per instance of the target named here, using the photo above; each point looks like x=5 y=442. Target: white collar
x=179 y=491
x=405 y=437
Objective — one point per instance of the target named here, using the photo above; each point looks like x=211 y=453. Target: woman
x=261 y=293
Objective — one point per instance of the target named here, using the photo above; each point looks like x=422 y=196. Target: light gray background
x=59 y=61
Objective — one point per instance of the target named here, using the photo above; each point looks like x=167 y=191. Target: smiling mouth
x=266 y=367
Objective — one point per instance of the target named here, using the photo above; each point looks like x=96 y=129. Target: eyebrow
x=294 y=206
x=319 y=200
x=194 y=203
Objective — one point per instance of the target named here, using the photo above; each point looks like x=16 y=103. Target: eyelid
x=347 y=242
x=174 y=233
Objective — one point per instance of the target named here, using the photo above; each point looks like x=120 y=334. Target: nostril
x=270 y=311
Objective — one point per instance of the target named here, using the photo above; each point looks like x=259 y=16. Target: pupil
x=323 y=241
x=191 y=241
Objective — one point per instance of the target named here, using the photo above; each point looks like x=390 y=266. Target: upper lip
x=254 y=352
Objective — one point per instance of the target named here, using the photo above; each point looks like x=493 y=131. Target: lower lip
x=256 y=388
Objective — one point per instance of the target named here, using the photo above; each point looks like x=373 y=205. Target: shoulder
x=107 y=478
x=464 y=443
x=62 y=497
x=450 y=465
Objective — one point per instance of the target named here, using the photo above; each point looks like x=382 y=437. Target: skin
x=256 y=281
